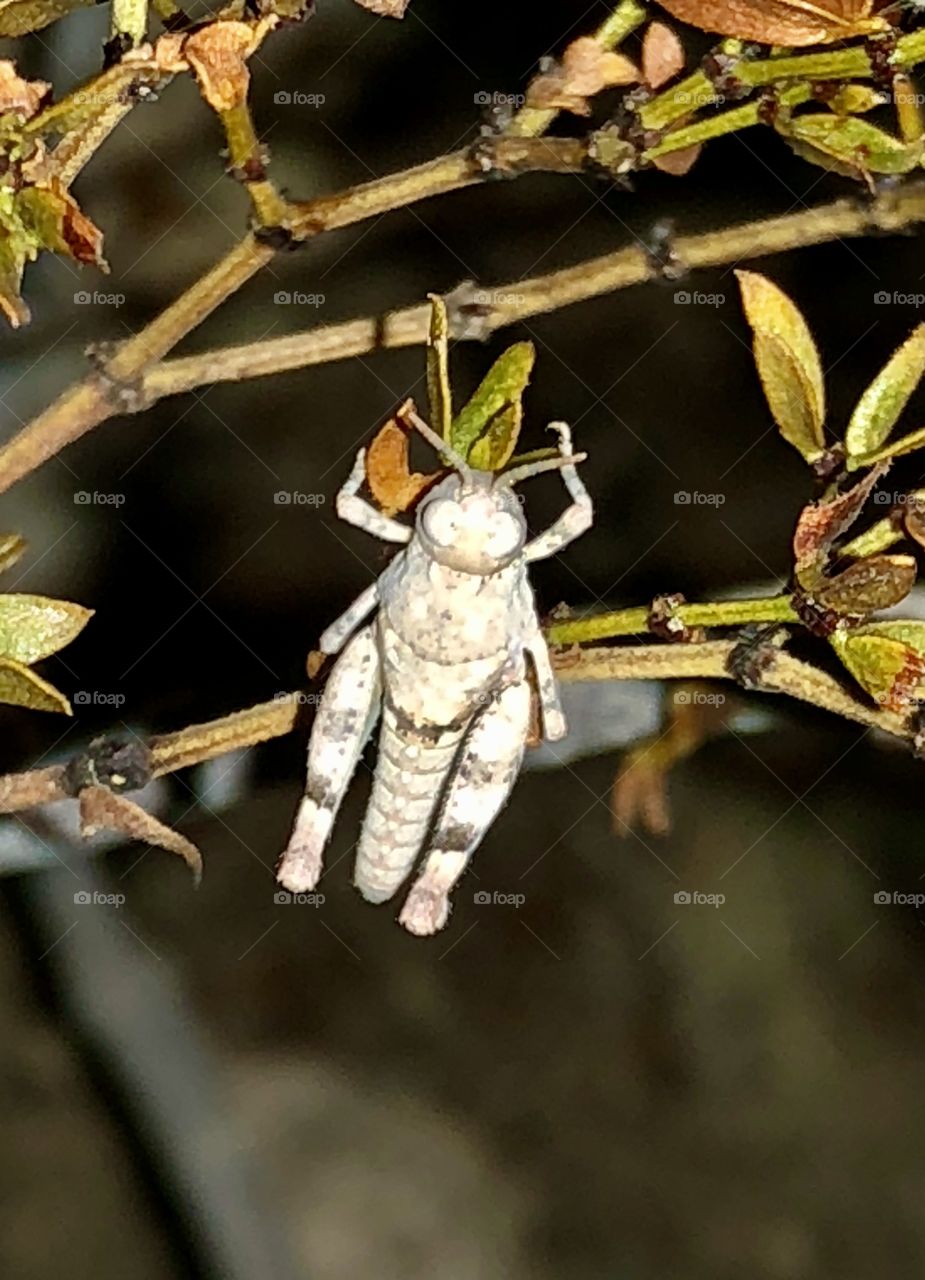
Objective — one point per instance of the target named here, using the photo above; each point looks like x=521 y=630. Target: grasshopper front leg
x=485 y=772
x=349 y=709
x=576 y=519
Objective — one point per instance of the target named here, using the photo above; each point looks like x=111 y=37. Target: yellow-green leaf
x=854 y=99
x=23 y=688
x=909 y=631
x=18 y=17
x=905 y=444
x=788 y=363
x=879 y=537
x=493 y=450
x=438 y=374
x=878 y=409
x=500 y=392
x=33 y=627
x=12 y=547
x=886 y=669
x=853 y=142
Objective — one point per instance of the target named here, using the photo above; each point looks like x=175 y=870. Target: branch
x=472 y=316
x=111 y=388
x=707 y=660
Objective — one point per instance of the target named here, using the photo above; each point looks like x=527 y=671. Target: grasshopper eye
x=440 y=521
x=504 y=535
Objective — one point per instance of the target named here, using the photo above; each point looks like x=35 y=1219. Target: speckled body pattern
x=445 y=663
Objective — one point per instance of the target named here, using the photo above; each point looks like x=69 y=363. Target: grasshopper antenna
x=408 y=414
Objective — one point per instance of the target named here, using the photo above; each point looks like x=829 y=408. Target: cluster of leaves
x=838 y=584
x=33 y=628
x=484 y=431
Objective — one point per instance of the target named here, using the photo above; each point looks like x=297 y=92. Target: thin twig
x=708 y=660
x=479 y=312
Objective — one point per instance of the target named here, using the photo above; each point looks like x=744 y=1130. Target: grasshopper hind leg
x=349 y=709
x=483 y=776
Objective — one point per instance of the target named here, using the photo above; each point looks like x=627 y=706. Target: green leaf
x=905 y=444
x=788 y=363
x=19 y=17
x=23 y=688
x=889 y=668
x=34 y=627
x=493 y=415
x=438 y=374
x=878 y=409
x=12 y=547
x=856 y=143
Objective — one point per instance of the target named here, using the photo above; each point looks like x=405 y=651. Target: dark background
x=599 y=1083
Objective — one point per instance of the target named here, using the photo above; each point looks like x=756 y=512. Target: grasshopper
x=445 y=663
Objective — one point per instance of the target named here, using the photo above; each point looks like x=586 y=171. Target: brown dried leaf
x=677 y=163
x=662 y=55
x=218 y=56
x=392 y=483
x=315 y=661
x=821 y=522
x=877 y=582
x=585 y=70
x=385 y=8
x=787 y=22
x=52 y=216
x=101 y=809
x=16 y=94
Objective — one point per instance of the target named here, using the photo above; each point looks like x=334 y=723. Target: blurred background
x=598 y=1081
